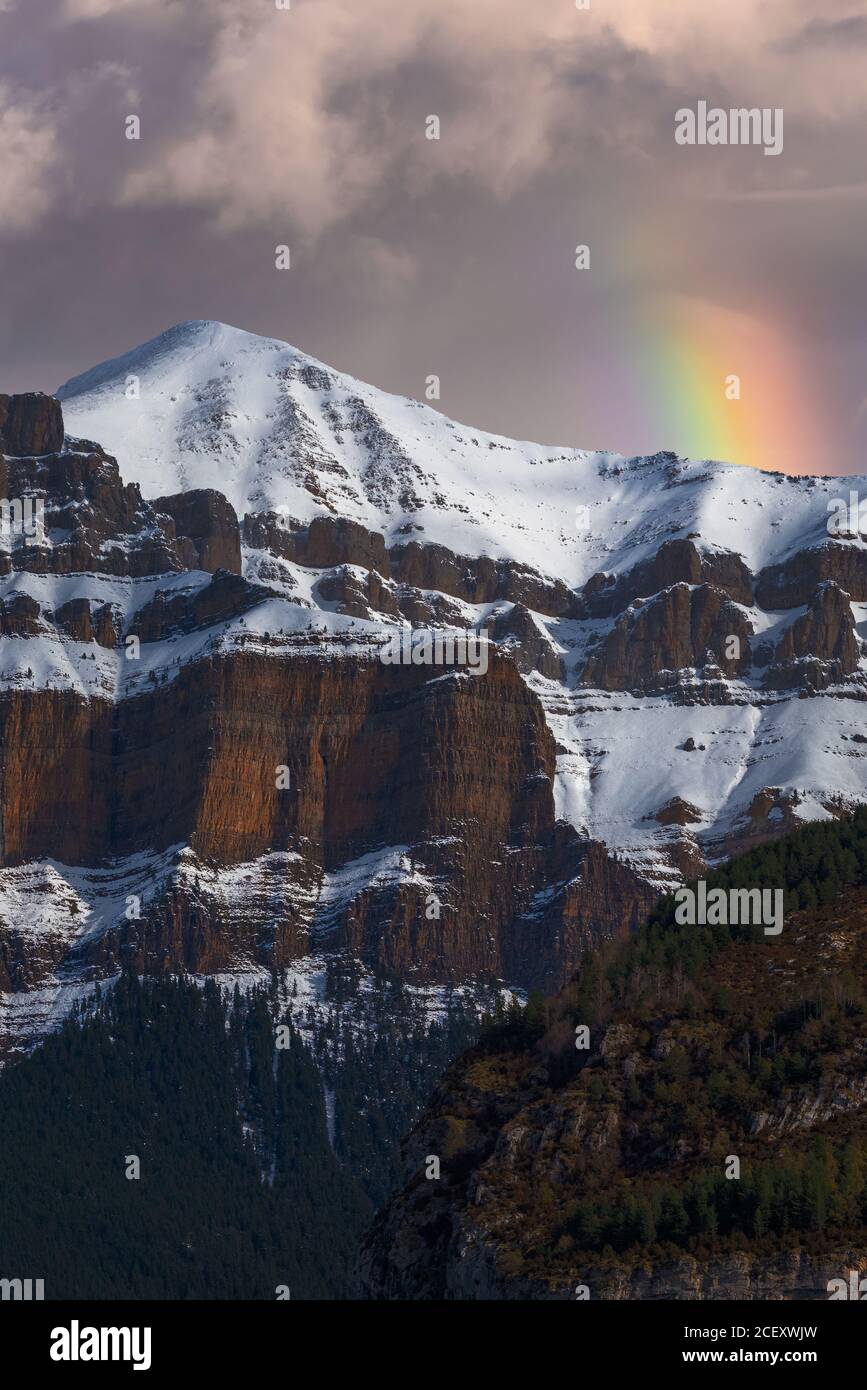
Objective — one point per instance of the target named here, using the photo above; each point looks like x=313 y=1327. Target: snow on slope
x=623 y=758
x=273 y=429
x=49 y=902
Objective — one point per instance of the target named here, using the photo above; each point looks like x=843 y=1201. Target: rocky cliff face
x=317 y=765
x=30 y=424
x=681 y=628
x=675 y=562
x=91 y=522
x=794 y=582
x=204 y=517
x=823 y=639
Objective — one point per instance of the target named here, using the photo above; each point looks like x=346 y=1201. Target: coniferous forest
x=240 y=1194
x=719 y=1042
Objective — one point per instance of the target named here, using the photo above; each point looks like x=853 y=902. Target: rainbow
x=692 y=349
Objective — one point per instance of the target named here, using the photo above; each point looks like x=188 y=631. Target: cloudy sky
x=306 y=126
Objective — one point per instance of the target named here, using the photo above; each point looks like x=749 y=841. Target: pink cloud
x=31 y=152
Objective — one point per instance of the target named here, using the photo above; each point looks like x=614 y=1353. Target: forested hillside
x=709 y=1141
x=240 y=1191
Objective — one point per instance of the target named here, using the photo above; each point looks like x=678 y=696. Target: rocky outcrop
x=826 y=630
x=429 y=609
x=681 y=627
x=225 y=597
x=417 y=566
x=589 y=897
x=85 y=621
x=361 y=594
x=326 y=542
x=678 y=812
x=95 y=522
x=204 y=517
x=19 y=616
x=794 y=582
x=478 y=580
x=472 y=1270
x=527 y=643
x=30 y=424
x=792 y=1276
x=91 y=520
x=820 y=647
x=675 y=562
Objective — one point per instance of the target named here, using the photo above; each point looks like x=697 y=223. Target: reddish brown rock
x=457 y=771
x=793 y=583
x=88 y=622
x=825 y=631
x=676 y=562
x=530 y=648
x=19 y=616
x=98 y=523
x=106 y=625
x=30 y=424
x=74 y=618
x=327 y=541
x=429 y=609
x=677 y=812
x=206 y=518
x=478 y=579
x=678 y=628
x=55 y=765
x=225 y=597
x=358 y=595
x=417 y=566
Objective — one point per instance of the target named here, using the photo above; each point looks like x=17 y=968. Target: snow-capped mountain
x=205 y=405
x=207 y=765
x=280 y=433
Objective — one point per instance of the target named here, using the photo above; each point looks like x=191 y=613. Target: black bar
x=278 y=1339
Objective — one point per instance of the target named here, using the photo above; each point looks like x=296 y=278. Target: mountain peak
x=189 y=336
x=208 y=405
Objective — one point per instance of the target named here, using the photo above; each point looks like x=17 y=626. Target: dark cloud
x=453 y=256
x=828 y=33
